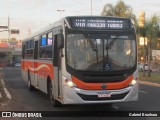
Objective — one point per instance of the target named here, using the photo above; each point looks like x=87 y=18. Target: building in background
x=10 y=51
x=156 y=55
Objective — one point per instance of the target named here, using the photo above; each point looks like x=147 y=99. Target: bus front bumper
x=78 y=96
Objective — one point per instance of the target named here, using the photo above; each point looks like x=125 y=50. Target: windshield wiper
x=93 y=46
x=108 y=46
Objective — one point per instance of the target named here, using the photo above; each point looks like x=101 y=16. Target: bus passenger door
x=57 y=68
x=35 y=83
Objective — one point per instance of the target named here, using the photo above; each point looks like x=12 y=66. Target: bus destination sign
x=104 y=23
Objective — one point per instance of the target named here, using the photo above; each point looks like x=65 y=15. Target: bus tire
x=30 y=87
x=54 y=102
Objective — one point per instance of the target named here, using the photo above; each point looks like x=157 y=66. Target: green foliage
x=150 y=30
x=153 y=29
x=120 y=9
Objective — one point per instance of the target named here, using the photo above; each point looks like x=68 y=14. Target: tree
x=151 y=31
x=120 y=9
x=152 y=35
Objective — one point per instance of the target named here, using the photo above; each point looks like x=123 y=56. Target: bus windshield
x=101 y=52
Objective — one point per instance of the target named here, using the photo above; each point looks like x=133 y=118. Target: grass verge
x=155 y=77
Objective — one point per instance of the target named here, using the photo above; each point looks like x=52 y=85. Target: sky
x=32 y=15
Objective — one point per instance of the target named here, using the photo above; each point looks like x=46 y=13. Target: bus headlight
x=68 y=82
x=133 y=82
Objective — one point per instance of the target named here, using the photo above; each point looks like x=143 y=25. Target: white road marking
x=143 y=91
x=5 y=89
x=2 y=83
x=7 y=93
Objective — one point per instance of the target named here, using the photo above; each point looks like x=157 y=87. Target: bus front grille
x=96 y=98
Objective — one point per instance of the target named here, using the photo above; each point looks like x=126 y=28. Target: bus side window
x=28 y=49
x=49 y=48
x=42 y=52
x=36 y=50
x=49 y=52
x=43 y=43
x=46 y=46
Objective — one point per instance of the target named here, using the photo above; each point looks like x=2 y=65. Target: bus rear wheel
x=54 y=102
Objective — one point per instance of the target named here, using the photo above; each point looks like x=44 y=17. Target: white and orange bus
x=83 y=60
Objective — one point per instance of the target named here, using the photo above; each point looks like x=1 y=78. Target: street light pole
x=91 y=7
x=8 y=55
x=60 y=11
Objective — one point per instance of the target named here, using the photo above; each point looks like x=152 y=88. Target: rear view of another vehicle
x=17 y=64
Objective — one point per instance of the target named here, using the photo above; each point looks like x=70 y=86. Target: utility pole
x=8 y=42
x=8 y=29
x=60 y=11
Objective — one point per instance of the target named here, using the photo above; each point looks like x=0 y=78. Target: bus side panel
x=44 y=70
x=35 y=74
x=23 y=70
x=29 y=67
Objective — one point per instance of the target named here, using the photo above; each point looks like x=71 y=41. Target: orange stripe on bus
x=39 y=68
x=97 y=86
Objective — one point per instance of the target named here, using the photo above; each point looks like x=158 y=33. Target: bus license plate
x=104 y=95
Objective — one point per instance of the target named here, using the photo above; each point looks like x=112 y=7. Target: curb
x=149 y=83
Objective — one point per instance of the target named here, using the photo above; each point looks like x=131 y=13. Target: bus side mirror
x=60 y=40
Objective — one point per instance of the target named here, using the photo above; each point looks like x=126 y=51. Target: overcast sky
x=35 y=14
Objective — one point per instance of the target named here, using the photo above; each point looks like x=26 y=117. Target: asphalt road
x=24 y=100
